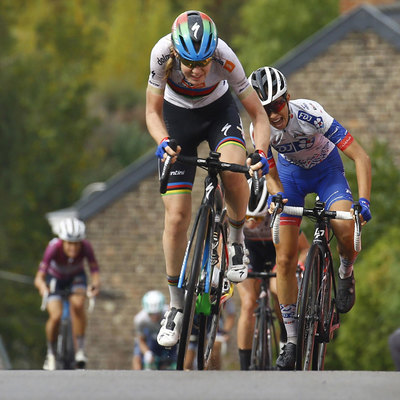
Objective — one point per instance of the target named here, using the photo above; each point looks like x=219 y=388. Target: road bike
x=206 y=259
x=265 y=346
x=316 y=309
x=65 y=349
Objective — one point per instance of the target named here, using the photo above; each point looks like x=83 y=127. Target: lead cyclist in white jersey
x=188 y=99
x=307 y=139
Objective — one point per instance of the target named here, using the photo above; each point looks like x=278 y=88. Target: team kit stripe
x=190 y=92
x=178 y=188
x=231 y=140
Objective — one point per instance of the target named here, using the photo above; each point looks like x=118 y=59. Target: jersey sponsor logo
x=163 y=59
x=225 y=129
x=229 y=66
x=195 y=29
x=301 y=144
x=177 y=173
x=305 y=143
x=318 y=122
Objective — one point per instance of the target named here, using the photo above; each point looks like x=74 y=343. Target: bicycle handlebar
x=213 y=163
x=314 y=212
x=209 y=162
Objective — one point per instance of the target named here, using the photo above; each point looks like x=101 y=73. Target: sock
x=176 y=294
x=51 y=347
x=288 y=312
x=244 y=359
x=236 y=231
x=80 y=342
x=346 y=267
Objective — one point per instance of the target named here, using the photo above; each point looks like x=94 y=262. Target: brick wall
x=356 y=81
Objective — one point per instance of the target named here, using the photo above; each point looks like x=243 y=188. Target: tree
x=270 y=28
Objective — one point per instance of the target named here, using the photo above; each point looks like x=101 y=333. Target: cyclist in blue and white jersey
x=188 y=99
x=147 y=353
x=307 y=139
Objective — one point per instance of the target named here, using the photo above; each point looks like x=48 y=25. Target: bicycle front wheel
x=199 y=237
x=209 y=327
x=308 y=311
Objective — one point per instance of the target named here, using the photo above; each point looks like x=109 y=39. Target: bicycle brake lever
x=255 y=158
x=167 y=167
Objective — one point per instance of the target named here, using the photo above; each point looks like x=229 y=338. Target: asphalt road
x=209 y=385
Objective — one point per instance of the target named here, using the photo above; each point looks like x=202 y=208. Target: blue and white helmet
x=153 y=302
x=71 y=230
x=269 y=83
x=194 y=36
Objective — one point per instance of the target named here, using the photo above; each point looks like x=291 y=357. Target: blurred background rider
x=63 y=268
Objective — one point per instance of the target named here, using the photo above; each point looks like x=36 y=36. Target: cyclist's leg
x=54 y=309
x=248 y=292
x=177 y=220
x=78 y=316
x=225 y=135
x=337 y=196
x=236 y=195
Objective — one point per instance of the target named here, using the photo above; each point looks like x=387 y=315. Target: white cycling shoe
x=80 y=359
x=171 y=327
x=238 y=261
x=50 y=363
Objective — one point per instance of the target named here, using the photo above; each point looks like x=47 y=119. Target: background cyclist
x=61 y=268
x=258 y=240
x=307 y=139
x=147 y=353
x=188 y=99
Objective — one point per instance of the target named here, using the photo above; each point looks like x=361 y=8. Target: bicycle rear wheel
x=327 y=311
x=209 y=327
x=258 y=358
x=307 y=311
x=199 y=237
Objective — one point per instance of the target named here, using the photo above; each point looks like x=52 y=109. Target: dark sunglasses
x=275 y=107
x=194 y=64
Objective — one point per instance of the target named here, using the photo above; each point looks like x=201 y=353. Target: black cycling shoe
x=287 y=359
x=346 y=294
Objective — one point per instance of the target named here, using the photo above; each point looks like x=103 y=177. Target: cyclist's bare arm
x=154 y=118
x=94 y=287
x=363 y=169
x=274 y=184
x=40 y=282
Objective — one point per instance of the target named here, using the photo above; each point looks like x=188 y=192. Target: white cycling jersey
x=226 y=70
x=310 y=135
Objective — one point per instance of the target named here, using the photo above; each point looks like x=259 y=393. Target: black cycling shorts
x=261 y=252
x=218 y=123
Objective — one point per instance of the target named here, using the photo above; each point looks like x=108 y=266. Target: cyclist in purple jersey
x=188 y=99
x=61 y=268
x=307 y=139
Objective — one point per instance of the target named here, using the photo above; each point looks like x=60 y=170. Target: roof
x=121 y=183
x=361 y=19
x=385 y=21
